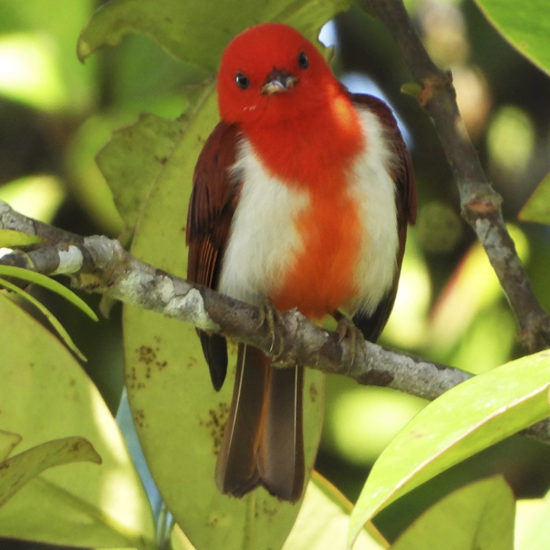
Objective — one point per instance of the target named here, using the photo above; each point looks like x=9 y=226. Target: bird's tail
x=263 y=438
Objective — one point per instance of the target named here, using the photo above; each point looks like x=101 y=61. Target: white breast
x=374 y=192
x=263 y=238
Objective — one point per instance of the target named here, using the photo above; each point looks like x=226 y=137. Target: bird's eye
x=303 y=60
x=242 y=81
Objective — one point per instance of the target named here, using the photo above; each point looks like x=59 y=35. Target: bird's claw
x=270 y=316
x=346 y=329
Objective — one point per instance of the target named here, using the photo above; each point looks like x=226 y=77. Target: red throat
x=316 y=154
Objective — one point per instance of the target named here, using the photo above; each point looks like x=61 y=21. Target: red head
x=269 y=73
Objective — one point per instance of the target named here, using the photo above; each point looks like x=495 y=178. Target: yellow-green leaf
x=537 y=208
x=194 y=32
x=525 y=25
x=463 y=421
x=531 y=528
x=49 y=283
x=45 y=396
x=323 y=521
x=8 y=442
x=178 y=415
x=18 y=470
x=479 y=515
x=133 y=158
x=52 y=319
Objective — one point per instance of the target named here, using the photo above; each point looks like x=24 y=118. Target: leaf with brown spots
x=180 y=437
x=46 y=399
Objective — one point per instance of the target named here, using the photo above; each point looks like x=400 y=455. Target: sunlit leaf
x=524 y=25
x=29 y=71
x=44 y=72
x=531 y=528
x=460 y=423
x=511 y=140
x=50 y=284
x=537 y=208
x=473 y=288
x=362 y=420
x=194 y=32
x=37 y=196
x=18 y=470
x=46 y=396
x=479 y=515
x=178 y=540
x=323 y=521
x=178 y=416
x=52 y=319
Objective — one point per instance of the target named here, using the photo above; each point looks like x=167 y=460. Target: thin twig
x=480 y=203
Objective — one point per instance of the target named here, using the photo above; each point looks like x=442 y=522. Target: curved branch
x=101 y=265
x=480 y=203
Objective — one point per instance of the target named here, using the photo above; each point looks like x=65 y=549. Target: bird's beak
x=277 y=81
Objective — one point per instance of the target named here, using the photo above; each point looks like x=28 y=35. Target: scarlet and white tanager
x=301 y=199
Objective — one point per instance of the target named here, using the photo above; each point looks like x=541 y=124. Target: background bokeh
x=55 y=114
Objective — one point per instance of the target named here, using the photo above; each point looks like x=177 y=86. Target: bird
x=301 y=198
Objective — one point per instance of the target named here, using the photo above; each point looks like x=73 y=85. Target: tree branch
x=480 y=203
x=101 y=265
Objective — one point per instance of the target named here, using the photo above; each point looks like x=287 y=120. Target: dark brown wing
x=211 y=207
x=405 y=202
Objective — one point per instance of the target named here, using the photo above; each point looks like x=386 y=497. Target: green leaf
x=46 y=78
x=52 y=319
x=537 y=208
x=460 y=423
x=194 y=32
x=18 y=470
x=531 y=529
x=178 y=540
x=469 y=312
x=46 y=396
x=320 y=525
x=172 y=400
x=8 y=442
x=323 y=520
x=524 y=24
x=133 y=158
x=50 y=284
x=164 y=362
x=479 y=515
x=12 y=239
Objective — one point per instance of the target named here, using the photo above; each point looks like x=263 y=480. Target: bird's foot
x=347 y=330
x=271 y=316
